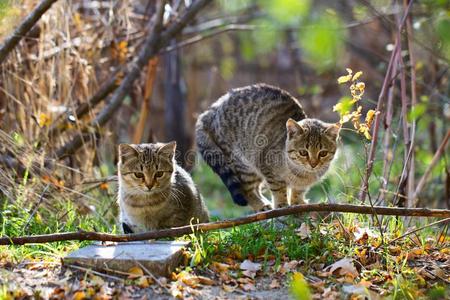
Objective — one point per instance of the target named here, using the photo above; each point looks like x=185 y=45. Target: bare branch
x=376 y=126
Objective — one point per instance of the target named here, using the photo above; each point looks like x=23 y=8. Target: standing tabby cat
x=154 y=192
x=249 y=136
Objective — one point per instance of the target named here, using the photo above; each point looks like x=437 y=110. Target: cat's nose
x=149 y=185
x=314 y=164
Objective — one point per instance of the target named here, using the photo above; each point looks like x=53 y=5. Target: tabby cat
x=155 y=192
x=260 y=134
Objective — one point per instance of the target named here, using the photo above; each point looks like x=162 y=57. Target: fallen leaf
x=414 y=253
x=274 y=284
x=144 y=282
x=79 y=295
x=229 y=288
x=205 y=280
x=220 y=267
x=249 y=274
x=304 y=231
x=135 y=272
x=288 y=266
x=343 y=267
x=250 y=266
x=248 y=287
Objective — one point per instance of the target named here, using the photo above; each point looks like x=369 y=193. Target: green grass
x=16 y=220
x=262 y=241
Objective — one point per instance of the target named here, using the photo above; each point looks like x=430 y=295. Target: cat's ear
x=168 y=149
x=126 y=151
x=293 y=128
x=333 y=130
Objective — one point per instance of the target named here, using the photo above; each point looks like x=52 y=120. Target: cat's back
x=252 y=109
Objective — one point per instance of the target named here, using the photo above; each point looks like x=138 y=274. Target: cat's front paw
x=266 y=207
x=300 y=202
x=281 y=205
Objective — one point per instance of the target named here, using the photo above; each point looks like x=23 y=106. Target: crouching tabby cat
x=155 y=192
x=260 y=134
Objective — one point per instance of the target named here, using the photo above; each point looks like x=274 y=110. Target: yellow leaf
x=90 y=291
x=80 y=295
x=337 y=107
x=135 y=272
x=360 y=86
x=344 y=79
x=144 y=282
x=77 y=20
x=445 y=251
x=44 y=120
x=369 y=117
x=367 y=135
x=350 y=71
x=357 y=75
x=299 y=287
x=123 y=45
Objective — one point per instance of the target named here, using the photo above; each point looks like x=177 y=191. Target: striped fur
x=154 y=192
x=243 y=137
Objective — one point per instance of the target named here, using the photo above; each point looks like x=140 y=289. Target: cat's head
x=311 y=143
x=146 y=168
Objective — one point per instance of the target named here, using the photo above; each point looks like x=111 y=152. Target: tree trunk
x=175 y=104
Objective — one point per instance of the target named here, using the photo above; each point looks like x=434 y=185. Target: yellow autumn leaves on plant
x=346 y=106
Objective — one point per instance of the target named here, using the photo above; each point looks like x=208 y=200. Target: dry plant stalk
x=145 y=107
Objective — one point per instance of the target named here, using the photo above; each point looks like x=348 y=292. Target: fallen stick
x=203 y=227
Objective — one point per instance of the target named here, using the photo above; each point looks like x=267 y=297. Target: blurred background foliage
x=302 y=46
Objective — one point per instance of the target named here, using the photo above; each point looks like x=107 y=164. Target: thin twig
x=180 y=231
x=150 y=274
x=384 y=88
x=36 y=207
x=430 y=167
x=418 y=229
x=87 y=270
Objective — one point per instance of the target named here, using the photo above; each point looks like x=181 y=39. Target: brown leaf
x=220 y=267
x=135 y=272
x=250 y=266
x=343 y=267
x=274 y=284
x=304 y=231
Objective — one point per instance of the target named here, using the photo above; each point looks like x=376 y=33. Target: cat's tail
x=217 y=158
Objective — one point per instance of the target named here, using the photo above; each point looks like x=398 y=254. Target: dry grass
x=58 y=66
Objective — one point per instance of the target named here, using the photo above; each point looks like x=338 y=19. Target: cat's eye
x=323 y=153
x=303 y=152
x=159 y=174
x=139 y=175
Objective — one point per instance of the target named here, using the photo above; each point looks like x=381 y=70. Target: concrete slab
x=159 y=257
